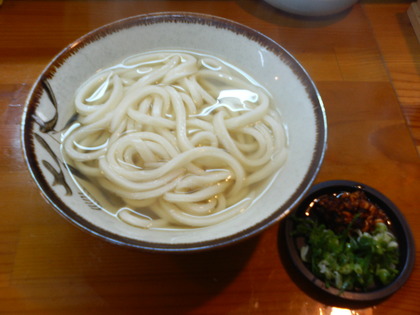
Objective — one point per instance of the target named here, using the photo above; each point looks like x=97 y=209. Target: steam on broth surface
x=174 y=139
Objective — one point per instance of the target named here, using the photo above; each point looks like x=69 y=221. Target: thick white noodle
x=182 y=139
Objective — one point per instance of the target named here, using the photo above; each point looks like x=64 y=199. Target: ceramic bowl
x=49 y=108
x=312 y=7
x=397 y=225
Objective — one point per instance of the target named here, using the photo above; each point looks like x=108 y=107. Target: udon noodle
x=182 y=139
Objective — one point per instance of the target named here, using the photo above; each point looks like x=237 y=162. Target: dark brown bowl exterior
x=399 y=226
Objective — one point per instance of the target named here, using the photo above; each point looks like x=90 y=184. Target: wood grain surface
x=365 y=63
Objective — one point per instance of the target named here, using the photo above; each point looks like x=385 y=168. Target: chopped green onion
x=351 y=260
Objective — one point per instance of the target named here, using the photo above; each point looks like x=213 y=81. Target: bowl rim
x=152 y=18
x=403 y=231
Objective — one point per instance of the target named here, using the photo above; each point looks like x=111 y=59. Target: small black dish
x=290 y=248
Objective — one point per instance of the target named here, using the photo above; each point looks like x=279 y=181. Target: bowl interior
x=49 y=109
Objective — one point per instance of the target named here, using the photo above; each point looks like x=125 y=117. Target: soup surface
x=174 y=139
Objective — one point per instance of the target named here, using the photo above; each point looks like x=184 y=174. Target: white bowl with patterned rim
x=49 y=109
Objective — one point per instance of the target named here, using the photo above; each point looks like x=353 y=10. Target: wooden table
x=365 y=63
